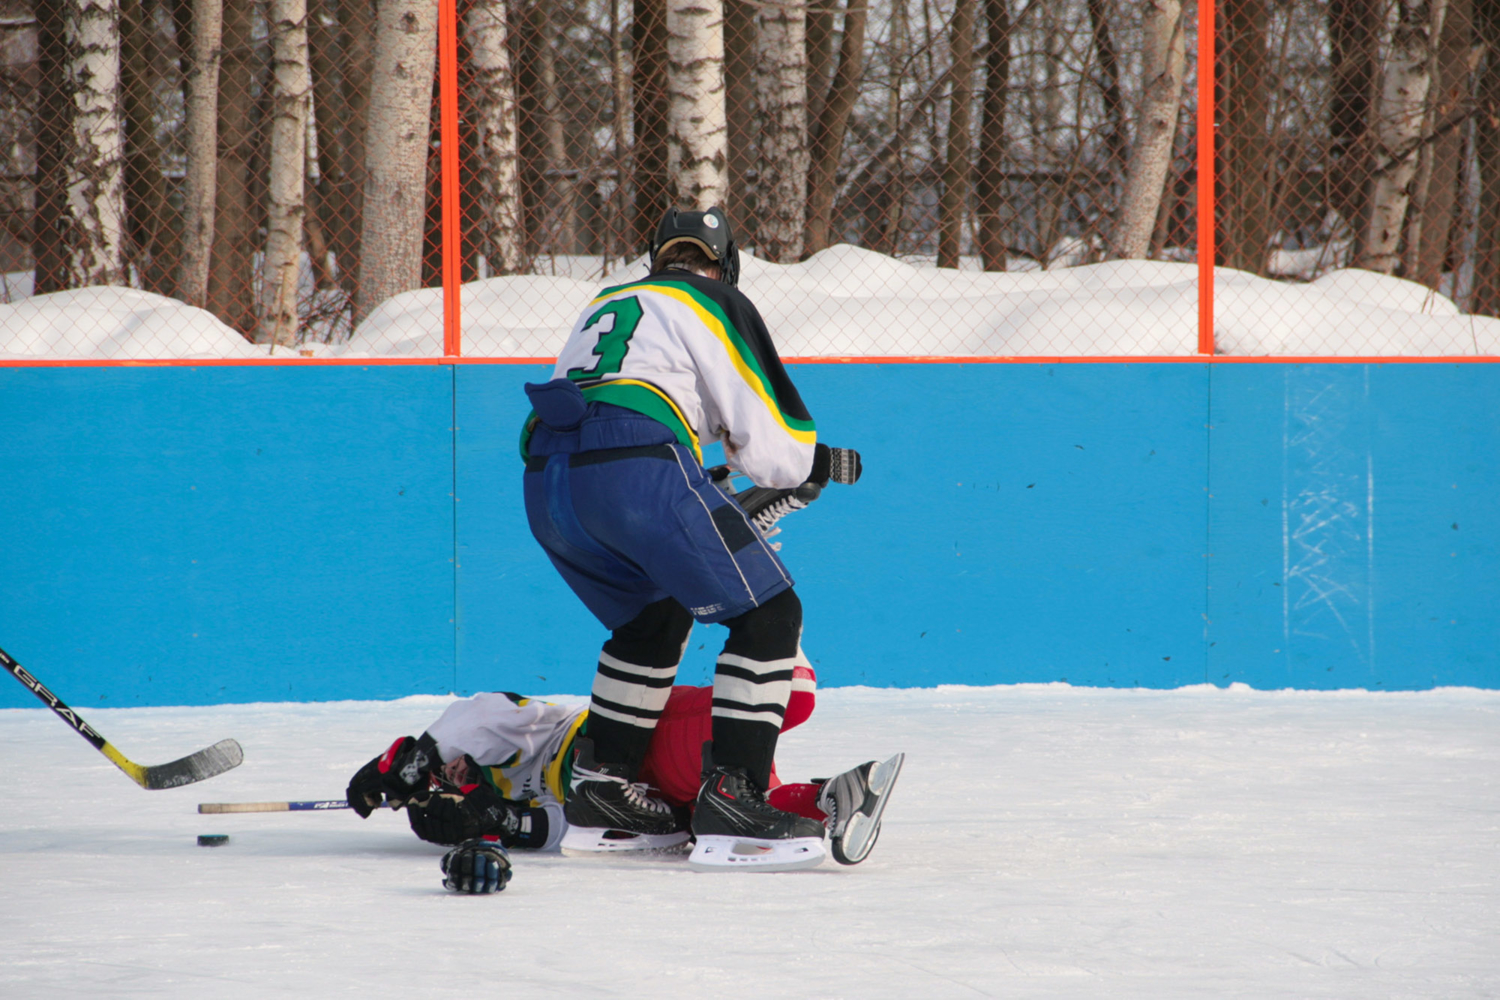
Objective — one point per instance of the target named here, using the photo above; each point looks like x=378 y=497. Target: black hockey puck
x=212 y=839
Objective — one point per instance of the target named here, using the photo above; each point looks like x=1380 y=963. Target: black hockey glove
x=476 y=866
x=455 y=815
x=400 y=775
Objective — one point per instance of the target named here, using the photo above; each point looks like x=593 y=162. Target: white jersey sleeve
x=518 y=739
x=695 y=354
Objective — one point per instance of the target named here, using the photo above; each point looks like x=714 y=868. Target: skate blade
x=750 y=854
x=858 y=839
x=591 y=841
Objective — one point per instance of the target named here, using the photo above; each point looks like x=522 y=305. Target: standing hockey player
x=617 y=496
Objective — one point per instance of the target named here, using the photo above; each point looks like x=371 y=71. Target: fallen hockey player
x=491 y=773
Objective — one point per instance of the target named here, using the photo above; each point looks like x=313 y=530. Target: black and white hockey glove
x=476 y=867
x=400 y=775
x=765 y=506
x=455 y=815
x=840 y=465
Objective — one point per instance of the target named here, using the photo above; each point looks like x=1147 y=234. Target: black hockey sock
x=636 y=670
x=752 y=682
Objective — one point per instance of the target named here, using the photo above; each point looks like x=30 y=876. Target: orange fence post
x=1207 y=141
x=449 y=155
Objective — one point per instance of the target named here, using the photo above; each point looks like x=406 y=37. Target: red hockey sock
x=800 y=798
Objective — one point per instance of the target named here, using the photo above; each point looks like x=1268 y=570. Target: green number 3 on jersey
x=613 y=324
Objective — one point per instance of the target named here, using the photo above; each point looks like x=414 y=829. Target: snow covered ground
x=1044 y=841
x=841 y=302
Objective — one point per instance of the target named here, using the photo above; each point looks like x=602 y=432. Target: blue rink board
x=230 y=534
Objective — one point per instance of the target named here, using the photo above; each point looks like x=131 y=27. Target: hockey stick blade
x=314 y=805
x=205 y=763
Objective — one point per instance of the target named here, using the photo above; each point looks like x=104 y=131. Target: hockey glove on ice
x=476 y=866
x=456 y=814
x=398 y=776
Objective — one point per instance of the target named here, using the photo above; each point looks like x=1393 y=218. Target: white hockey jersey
x=519 y=740
x=695 y=354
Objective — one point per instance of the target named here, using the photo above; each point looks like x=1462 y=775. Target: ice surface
x=1044 y=841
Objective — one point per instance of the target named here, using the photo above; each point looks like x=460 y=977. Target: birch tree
x=697 y=129
x=1432 y=217
x=291 y=95
x=399 y=129
x=202 y=142
x=1164 y=60
x=94 y=169
x=1398 y=128
x=493 y=90
x=781 y=91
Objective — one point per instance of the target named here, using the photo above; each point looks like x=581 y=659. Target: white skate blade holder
x=590 y=841
x=715 y=853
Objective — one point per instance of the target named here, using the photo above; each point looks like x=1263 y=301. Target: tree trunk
x=1243 y=162
x=357 y=45
x=827 y=130
x=648 y=36
x=95 y=165
x=202 y=149
x=324 y=193
x=396 y=152
x=781 y=81
x=741 y=44
x=1486 y=299
x=697 y=129
x=1429 y=244
x=494 y=100
x=1116 y=147
x=1163 y=63
x=231 y=263
x=291 y=96
x=53 y=127
x=147 y=208
x=1398 y=129
x=562 y=219
x=1353 y=30
x=818 y=31
x=990 y=182
x=953 y=203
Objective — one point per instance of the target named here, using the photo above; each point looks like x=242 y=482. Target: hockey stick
x=315 y=805
x=195 y=767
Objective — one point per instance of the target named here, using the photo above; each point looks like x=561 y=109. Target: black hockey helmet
x=710 y=230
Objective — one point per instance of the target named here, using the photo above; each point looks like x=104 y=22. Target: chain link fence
x=243 y=178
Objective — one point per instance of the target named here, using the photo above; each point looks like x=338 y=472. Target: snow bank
x=114 y=323
x=841 y=302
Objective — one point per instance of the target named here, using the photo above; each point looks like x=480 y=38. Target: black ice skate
x=736 y=829
x=854 y=802
x=606 y=813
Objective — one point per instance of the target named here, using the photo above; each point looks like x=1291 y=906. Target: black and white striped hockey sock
x=752 y=683
x=636 y=669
